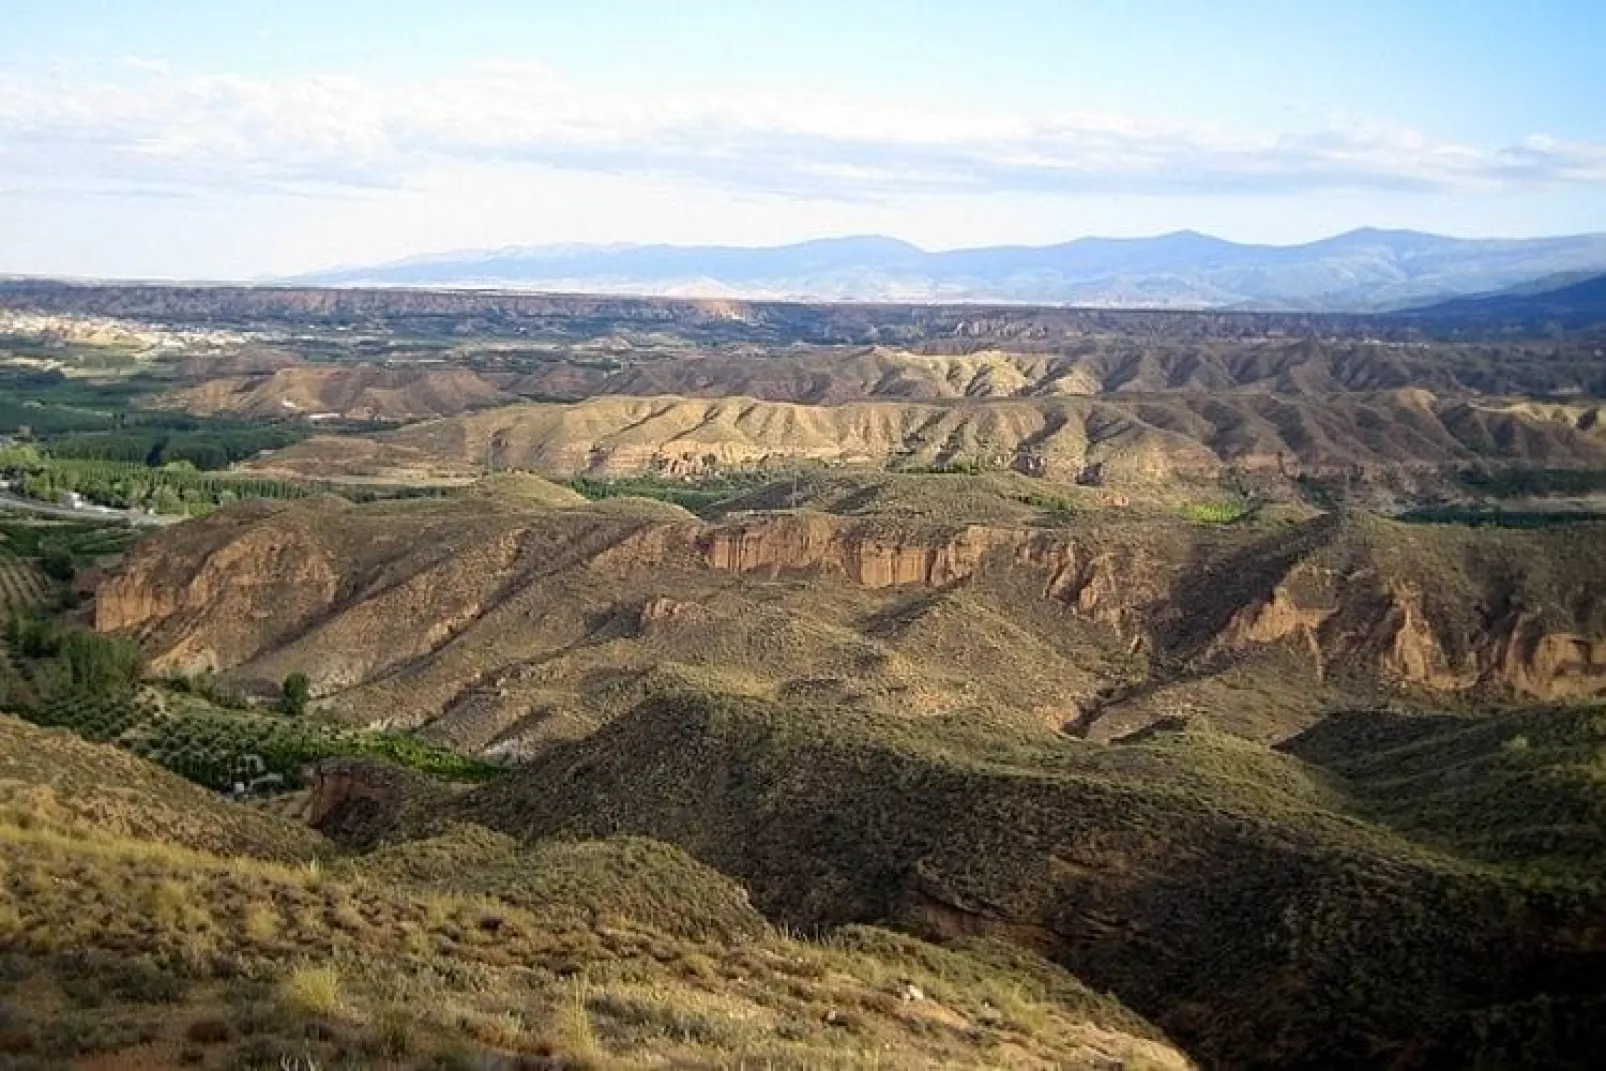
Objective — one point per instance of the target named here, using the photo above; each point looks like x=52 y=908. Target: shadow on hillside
x=1348 y=733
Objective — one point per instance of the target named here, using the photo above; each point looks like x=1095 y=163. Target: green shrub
x=57 y=563
x=1216 y=512
x=294 y=693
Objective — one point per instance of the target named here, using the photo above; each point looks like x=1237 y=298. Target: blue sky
x=242 y=140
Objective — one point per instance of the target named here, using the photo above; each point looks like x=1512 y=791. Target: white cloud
x=152 y=130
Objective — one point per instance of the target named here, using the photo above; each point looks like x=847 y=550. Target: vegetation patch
x=204 y=446
x=173 y=488
x=693 y=495
x=219 y=748
x=1515 y=482
x=1217 y=512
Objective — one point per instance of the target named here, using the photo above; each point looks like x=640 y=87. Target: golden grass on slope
x=146 y=950
x=633 y=879
x=56 y=777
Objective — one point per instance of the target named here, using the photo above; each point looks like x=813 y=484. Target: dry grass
x=313 y=990
x=231 y=961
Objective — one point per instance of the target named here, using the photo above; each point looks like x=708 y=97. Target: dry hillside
x=1127 y=441
x=499 y=621
x=361 y=392
x=1262 y=909
x=1092 y=365
x=145 y=923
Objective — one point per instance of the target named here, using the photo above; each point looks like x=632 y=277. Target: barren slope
x=1093 y=365
x=361 y=392
x=1128 y=440
x=147 y=924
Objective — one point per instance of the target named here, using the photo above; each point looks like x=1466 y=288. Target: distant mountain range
x=1569 y=300
x=1363 y=270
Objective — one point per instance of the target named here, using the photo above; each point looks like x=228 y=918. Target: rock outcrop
x=871 y=558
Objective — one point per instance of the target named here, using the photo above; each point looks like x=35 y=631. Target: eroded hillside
x=499 y=621
x=1088 y=366
x=473 y=376
x=1398 y=435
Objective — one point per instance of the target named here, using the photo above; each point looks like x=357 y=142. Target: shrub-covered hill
x=1525 y=790
x=1261 y=909
x=145 y=923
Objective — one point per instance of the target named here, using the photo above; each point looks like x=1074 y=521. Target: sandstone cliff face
x=1100 y=582
x=255 y=588
x=1114 y=584
x=1346 y=619
x=826 y=544
x=1555 y=665
x=359 y=803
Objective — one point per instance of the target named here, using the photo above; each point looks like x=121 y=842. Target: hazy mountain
x=1570 y=299
x=1360 y=270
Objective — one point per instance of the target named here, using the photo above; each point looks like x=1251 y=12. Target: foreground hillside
x=1268 y=911
x=522 y=613
x=233 y=940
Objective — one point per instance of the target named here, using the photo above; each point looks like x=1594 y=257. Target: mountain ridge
x=1367 y=269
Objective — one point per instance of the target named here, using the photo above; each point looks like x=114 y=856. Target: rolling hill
x=1093 y=365
x=1564 y=302
x=1263 y=909
x=360 y=392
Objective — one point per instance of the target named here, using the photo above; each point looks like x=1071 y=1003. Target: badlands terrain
x=557 y=681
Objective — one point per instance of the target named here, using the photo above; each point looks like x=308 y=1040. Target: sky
x=208 y=139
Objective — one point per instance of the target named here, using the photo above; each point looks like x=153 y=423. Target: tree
x=57 y=562
x=100 y=665
x=294 y=693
